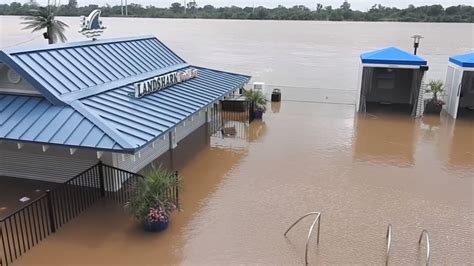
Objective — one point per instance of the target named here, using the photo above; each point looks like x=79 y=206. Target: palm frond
x=257 y=98
x=44 y=18
x=152 y=191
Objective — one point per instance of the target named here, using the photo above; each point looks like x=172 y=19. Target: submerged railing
x=389 y=242
x=427 y=237
x=316 y=220
x=26 y=227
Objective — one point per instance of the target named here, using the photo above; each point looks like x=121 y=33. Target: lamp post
x=416 y=42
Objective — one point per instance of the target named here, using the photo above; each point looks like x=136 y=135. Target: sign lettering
x=160 y=82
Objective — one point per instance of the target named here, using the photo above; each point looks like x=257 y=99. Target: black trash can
x=276 y=95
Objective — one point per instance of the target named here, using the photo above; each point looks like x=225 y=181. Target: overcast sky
x=356 y=4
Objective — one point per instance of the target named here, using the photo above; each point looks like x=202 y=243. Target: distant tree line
x=432 y=13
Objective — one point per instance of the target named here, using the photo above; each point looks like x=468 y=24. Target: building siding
x=54 y=165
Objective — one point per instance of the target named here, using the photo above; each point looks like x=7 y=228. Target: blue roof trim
x=38 y=48
x=464 y=60
x=84 y=93
x=392 y=56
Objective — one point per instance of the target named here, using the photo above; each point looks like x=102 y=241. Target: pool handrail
x=427 y=237
x=317 y=219
x=389 y=242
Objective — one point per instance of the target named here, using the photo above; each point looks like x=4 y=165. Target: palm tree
x=44 y=18
x=257 y=98
x=436 y=87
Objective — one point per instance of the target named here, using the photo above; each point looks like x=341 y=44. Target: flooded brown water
x=241 y=193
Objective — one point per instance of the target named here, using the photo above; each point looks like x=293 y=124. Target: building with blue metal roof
x=459 y=94
x=391 y=77
x=107 y=98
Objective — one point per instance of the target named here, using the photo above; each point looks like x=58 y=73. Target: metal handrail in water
x=317 y=219
x=389 y=242
x=425 y=232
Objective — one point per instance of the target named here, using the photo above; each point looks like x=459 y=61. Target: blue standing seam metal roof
x=392 y=56
x=464 y=60
x=61 y=70
x=108 y=117
x=35 y=119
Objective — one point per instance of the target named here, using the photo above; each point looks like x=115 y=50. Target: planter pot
x=155 y=226
x=433 y=107
x=258 y=114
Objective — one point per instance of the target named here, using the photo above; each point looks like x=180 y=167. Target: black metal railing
x=26 y=227
x=230 y=111
x=122 y=186
x=22 y=230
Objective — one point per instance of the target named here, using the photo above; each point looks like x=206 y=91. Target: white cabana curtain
x=366 y=87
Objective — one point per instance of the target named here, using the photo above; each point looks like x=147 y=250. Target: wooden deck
x=12 y=189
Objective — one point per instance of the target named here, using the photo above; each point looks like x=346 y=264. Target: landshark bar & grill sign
x=160 y=82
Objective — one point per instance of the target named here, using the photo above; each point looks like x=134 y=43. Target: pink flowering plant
x=151 y=201
x=160 y=213
x=157 y=215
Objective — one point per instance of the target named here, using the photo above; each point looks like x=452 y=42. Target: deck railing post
x=176 y=189
x=101 y=178
x=49 y=202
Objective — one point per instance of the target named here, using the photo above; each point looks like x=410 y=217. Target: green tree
x=192 y=5
x=45 y=18
x=346 y=10
x=72 y=4
x=433 y=13
x=319 y=7
x=176 y=7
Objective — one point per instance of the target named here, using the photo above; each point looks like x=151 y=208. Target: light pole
x=416 y=42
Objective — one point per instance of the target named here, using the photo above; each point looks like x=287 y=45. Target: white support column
x=72 y=151
x=45 y=147
x=19 y=145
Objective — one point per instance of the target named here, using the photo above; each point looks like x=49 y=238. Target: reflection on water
x=276 y=106
x=242 y=192
x=244 y=134
x=385 y=138
x=461 y=152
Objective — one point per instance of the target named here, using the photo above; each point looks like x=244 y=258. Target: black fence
x=25 y=228
x=230 y=111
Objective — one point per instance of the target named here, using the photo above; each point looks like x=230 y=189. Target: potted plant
x=257 y=101
x=434 y=105
x=151 y=203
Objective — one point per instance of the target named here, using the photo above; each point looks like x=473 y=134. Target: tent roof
x=464 y=60
x=87 y=94
x=392 y=56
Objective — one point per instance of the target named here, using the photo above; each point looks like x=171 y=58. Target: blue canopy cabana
x=392 y=56
x=459 y=96
x=391 y=76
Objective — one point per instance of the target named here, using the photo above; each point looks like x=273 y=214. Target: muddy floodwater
x=310 y=153
x=241 y=193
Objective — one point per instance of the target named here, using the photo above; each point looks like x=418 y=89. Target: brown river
x=310 y=153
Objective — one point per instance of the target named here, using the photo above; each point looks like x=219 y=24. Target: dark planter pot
x=433 y=107
x=155 y=226
x=258 y=114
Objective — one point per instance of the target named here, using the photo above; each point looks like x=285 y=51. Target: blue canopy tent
x=459 y=96
x=391 y=76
